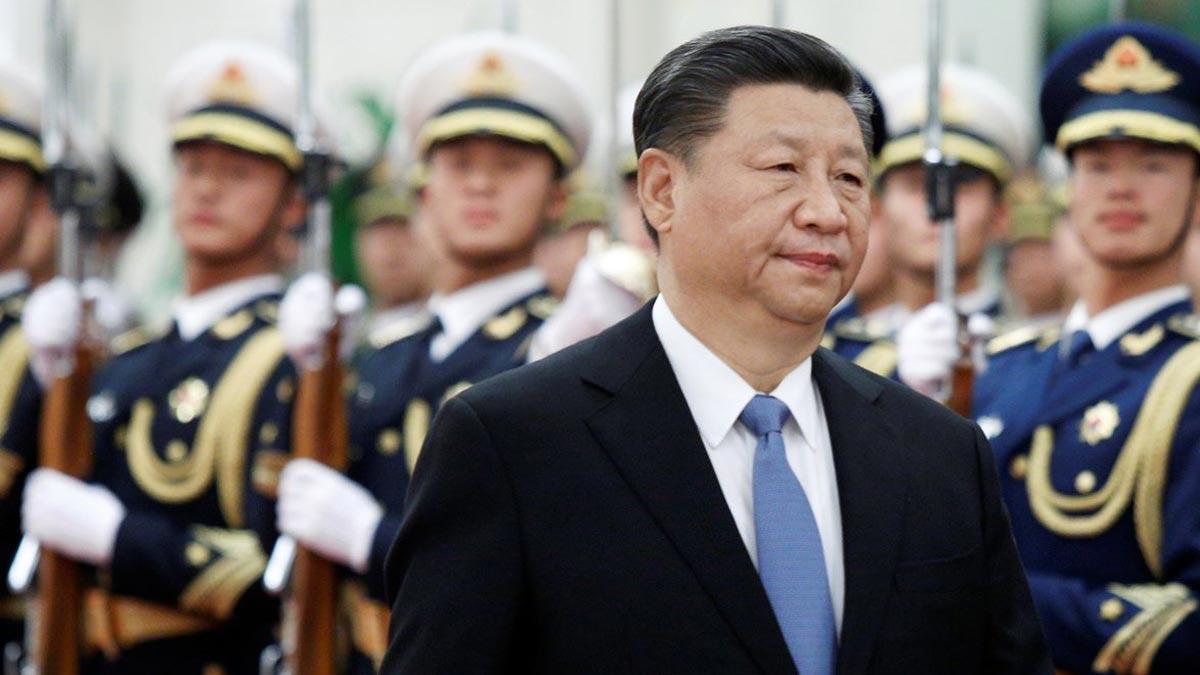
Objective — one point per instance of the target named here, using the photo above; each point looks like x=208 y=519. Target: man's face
x=16 y=198
x=229 y=203
x=395 y=261
x=40 y=243
x=913 y=237
x=771 y=217
x=488 y=198
x=1129 y=200
x=558 y=254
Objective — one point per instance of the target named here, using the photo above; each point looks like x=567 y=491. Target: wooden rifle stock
x=319 y=432
x=65 y=445
x=962 y=375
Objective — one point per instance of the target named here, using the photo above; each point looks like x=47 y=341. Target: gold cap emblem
x=491 y=77
x=1099 y=423
x=1127 y=65
x=233 y=87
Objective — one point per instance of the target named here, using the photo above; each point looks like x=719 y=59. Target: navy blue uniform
x=190 y=436
x=1099 y=456
x=20 y=405
x=399 y=390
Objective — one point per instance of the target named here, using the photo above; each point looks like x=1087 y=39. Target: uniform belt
x=114 y=623
x=368 y=624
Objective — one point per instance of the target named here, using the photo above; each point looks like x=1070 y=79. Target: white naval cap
x=20 y=115
x=496 y=84
x=985 y=125
x=627 y=157
x=236 y=93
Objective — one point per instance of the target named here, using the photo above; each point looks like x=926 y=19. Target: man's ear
x=295 y=209
x=998 y=229
x=658 y=173
x=556 y=205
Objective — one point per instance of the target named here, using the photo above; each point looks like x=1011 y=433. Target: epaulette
x=131 y=340
x=1187 y=325
x=396 y=331
x=861 y=330
x=1018 y=337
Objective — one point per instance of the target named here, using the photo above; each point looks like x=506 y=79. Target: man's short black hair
x=684 y=99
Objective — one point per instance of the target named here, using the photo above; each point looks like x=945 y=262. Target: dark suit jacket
x=565 y=518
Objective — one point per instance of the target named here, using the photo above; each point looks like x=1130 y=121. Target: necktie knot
x=764 y=415
x=1079 y=346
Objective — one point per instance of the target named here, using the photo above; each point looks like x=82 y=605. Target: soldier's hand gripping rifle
x=53 y=627
x=318 y=417
x=939 y=191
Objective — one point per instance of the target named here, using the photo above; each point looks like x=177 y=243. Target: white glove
x=328 y=513
x=306 y=315
x=351 y=305
x=112 y=313
x=594 y=303
x=70 y=516
x=51 y=321
x=927 y=347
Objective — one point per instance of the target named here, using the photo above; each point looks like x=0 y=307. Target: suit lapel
x=648 y=432
x=868 y=457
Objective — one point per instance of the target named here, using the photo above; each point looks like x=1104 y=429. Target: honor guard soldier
x=395 y=260
x=987 y=136
x=1096 y=426
x=190 y=426
x=500 y=122
x=22 y=194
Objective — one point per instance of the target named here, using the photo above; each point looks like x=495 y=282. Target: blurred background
x=124 y=49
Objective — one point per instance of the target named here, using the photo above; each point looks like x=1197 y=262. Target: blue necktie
x=1079 y=347
x=791 y=562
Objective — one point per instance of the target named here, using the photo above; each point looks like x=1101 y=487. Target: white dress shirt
x=197 y=313
x=464 y=311
x=413 y=314
x=1115 y=321
x=716 y=396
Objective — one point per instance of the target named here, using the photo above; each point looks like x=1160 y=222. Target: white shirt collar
x=979 y=300
x=1115 y=321
x=464 y=311
x=13 y=281
x=411 y=311
x=715 y=393
x=197 y=313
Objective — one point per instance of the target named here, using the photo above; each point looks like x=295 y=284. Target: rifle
x=939 y=192
x=53 y=630
x=319 y=428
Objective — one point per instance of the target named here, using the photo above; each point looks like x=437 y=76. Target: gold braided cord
x=241 y=561
x=227 y=423
x=1163 y=406
x=14 y=355
x=220 y=443
x=165 y=481
x=1138 y=476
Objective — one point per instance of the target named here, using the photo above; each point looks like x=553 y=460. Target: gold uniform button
x=389 y=441
x=1019 y=467
x=197 y=554
x=1085 y=482
x=268 y=433
x=1111 y=609
x=177 y=451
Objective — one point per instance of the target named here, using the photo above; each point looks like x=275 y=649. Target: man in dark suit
x=701 y=489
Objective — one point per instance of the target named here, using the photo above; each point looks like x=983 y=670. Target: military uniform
x=1096 y=425
x=481 y=84
x=191 y=427
x=190 y=435
x=20 y=412
x=20 y=396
